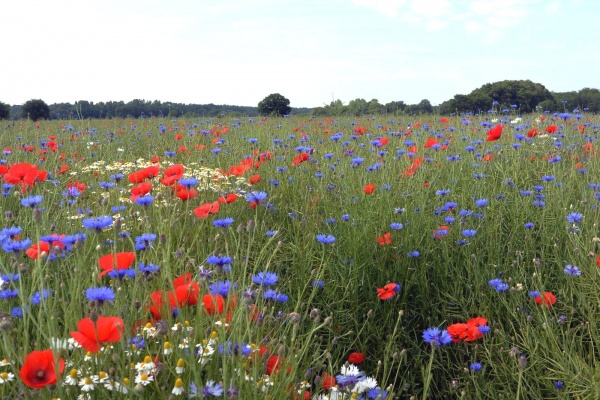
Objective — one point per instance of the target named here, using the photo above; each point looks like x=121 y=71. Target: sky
x=238 y=52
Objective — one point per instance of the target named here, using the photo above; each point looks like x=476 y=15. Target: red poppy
x=24 y=174
x=300 y=158
x=547 y=299
x=213 y=304
x=430 y=142
x=388 y=291
x=254 y=179
x=356 y=358
x=385 y=239
x=551 y=129
x=186 y=194
x=327 y=381
x=457 y=332
x=495 y=133
x=157 y=304
x=39 y=369
x=206 y=209
x=143 y=174
x=91 y=336
x=140 y=190
x=533 y=132
x=186 y=294
x=274 y=364
x=230 y=198
x=488 y=157
x=598 y=261
x=368 y=189
x=109 y=262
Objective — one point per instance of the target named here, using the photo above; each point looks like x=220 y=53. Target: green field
x=301 y=258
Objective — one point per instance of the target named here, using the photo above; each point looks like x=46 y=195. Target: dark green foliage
x=274 y=104
x=4 y=110
x=525 y=94
x=35 y=109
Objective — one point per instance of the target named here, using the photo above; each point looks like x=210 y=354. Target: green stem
x=428 y=375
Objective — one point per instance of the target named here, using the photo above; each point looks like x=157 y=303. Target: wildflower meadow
x=301 y=257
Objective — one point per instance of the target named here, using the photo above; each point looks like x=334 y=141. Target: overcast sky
x=237 y=52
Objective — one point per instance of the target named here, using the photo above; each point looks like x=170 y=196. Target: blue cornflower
x=11 y=246
x=116 y=177
x=559 y=385
x=534 y=294
x=529 y=225
x=8 y=293
x=345 y=217
x=413 y=254
x=256 y=197
x=122 y=273
x=481 y=202
x=106 y=185
x=39 y=296
x=282 y=298
x=148 y=269
x=221 y=287
x=212 y=389
x=350 y=377
x=574 y=217
x=223 y=223
x=376 y=393
x=100 y=294
x=396 y=225
x=572 y=270
x=498 y=285
x=548 y=178
x=325 y=239
x=32 y=201
x=442 y=192
x=271 y=233
x=188 y=182
x=469 y=232
x=145 y=200
x=265 y=278
x=436 y=337
x=318 y=284
x=98 y=223
x=221 y=262
x=475 y=366
x=17 y=312
x=270 y=294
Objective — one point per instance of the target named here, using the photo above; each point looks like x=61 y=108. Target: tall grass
x=284 y=347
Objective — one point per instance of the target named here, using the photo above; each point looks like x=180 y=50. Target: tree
x=274 y=104
x=4 y=110
x=35 y=109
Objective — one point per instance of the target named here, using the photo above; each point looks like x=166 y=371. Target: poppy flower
x=24 y=174
x=274 y=364
x=533 y=132
x=239 y=170
x=385 y=239
x=356 y=358
x=327 y=381
x=91 y=336
x=213 y=304
x=551 y=129
x=547 y=299
x=300 y=158
x=598 y=261
x=118 y=261
x=186 y=294
x=143 y=174
x=368 y=189
x=430 y=142
x=388 y=291
x=186 y=194
x=39 y=369
x=495 y=133
x=157 y=304
x=254 y=179
x=230 y=198
x=206 y=209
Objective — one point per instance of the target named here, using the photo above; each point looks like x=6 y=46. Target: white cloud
x=388 y=8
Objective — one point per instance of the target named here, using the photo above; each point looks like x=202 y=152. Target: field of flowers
x=301 y=258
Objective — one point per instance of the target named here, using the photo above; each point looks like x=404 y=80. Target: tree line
x=519 y=96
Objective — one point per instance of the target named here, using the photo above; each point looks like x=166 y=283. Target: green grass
x=316 y=329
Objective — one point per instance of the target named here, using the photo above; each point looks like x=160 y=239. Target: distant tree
x=274 y=104
x=35 y=109
x=425 y=106
x=4 y=111
x=394 y=106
